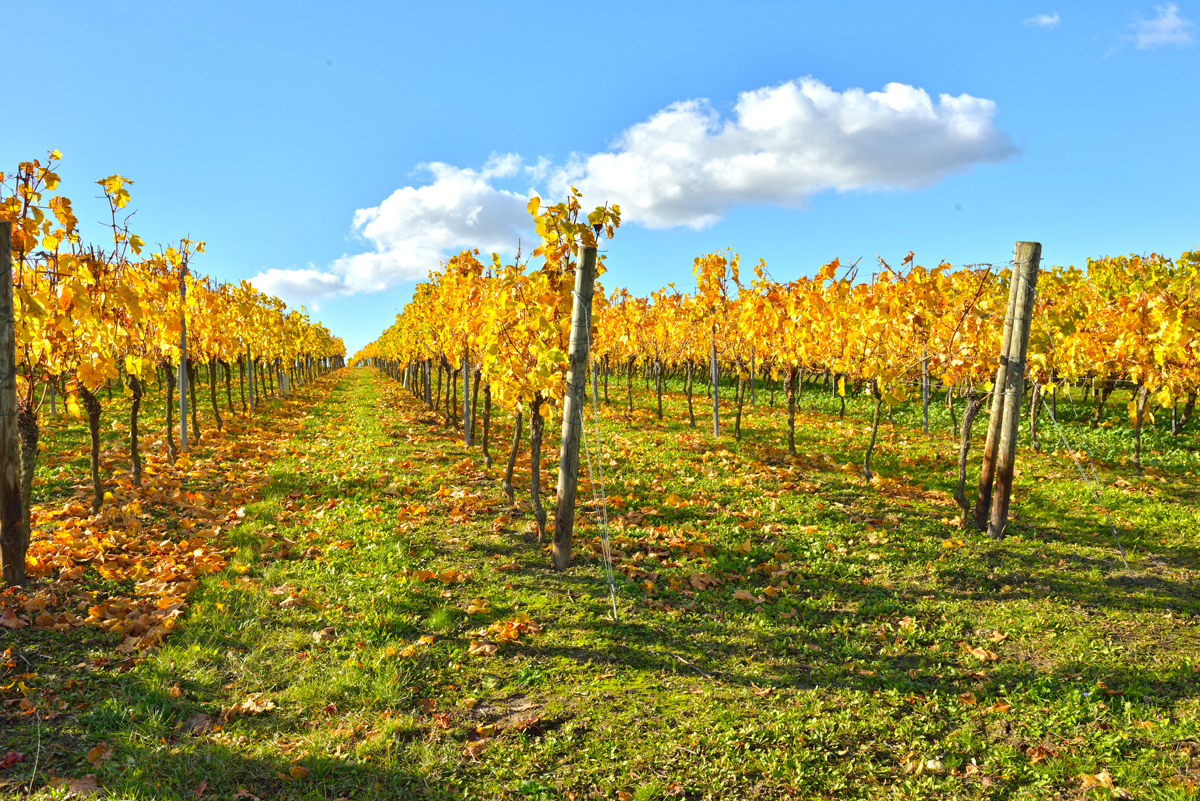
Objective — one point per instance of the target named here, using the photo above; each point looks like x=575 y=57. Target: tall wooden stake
x=12 y=534
x=1028 y=256
x=716 y=377
x=183 y=357
x=466 y=371
x=250 y=376
x=573 y=403
x=987 y=469
x=924 y=392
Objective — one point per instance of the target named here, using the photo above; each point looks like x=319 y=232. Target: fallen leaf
x=298 y=772
x=77 y=788
x=1101 y=779
x=253 y=705
x=980 y=653
x=325 y=635
x=101 y=753
x=478 y=606
x=1040 y=752
x=968 y=698
x=10 y=759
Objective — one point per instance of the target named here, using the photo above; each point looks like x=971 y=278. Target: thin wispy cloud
x=687 y=165
x=1166 y=28
x=1050 y=20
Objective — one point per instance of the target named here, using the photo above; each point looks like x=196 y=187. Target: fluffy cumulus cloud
x=413 y=230
x=687 y=165
x=1050 y=20
x=1166 y=28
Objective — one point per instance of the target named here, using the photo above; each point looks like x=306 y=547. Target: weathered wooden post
x=751 y=375
x=468 y=440
x=12 y=532
x=250 y=376
x=924 y=392
x=715 y=374
x=987 y=469
x=573 y=403
x=1028 y=256
x=183 y=357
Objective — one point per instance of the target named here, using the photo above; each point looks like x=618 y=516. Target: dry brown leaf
x=253 y=705
x=77 y=788
x=101 y=753
x=1101 y=779
x=1039 y=752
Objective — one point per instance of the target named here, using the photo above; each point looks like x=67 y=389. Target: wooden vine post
x=573 y=402
x=12 y=534
x=987 y=470
x=468 y=440
x=250 y=375
x=183 y=357
x=1009 y=388
x=715 y=377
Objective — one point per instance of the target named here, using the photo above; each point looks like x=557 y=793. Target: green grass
x=852 y=677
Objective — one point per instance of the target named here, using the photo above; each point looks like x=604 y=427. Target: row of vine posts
x=999 y=457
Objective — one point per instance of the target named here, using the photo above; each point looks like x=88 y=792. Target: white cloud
x=1167 y=28
x=413 y=230
x=299 y=287
x=688 y=166
x=1050 y=20
x=685 y=166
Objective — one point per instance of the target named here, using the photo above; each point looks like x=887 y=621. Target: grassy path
x=388 y=628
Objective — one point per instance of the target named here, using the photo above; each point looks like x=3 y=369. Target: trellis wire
x=1094 y=483
x=600 y=501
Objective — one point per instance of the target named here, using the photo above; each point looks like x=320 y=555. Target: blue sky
x=296 y=138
